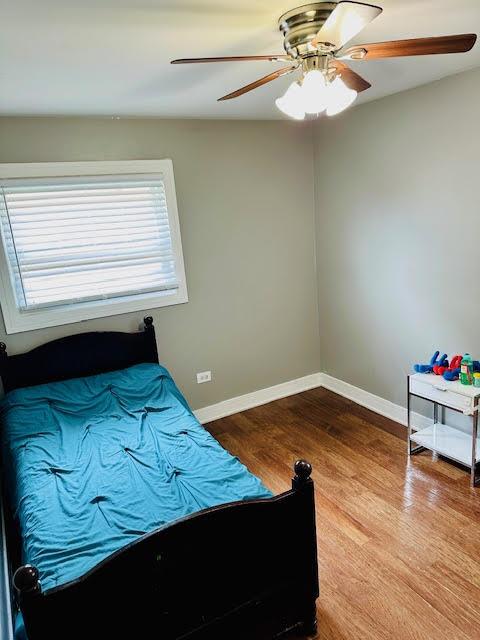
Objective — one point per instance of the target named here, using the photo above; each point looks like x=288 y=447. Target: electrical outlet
x=204 y=376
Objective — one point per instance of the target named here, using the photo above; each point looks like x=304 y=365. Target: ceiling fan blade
x=352 y=79
x=345 y=22
x=258 y=83
x=271 y=58
x=416 y=47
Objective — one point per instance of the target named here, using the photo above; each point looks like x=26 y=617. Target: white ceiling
x=111 y=57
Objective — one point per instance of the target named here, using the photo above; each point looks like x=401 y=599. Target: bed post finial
x=306 y=543
x=25 y=580
x=151 y=339
x=3 y=360
x=303 y=471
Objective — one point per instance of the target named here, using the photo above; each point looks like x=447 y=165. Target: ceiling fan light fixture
x=314 y=92
x=315 y=95
x=315 y=35
x=340 y=97
x=291 y=102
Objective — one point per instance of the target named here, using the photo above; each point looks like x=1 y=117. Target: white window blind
x=80 y=239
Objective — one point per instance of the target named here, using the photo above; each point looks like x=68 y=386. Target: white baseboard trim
x=257 y=398
x=263 y=396
x=374 y=403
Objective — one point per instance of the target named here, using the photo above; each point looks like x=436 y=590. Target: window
x=87 y=239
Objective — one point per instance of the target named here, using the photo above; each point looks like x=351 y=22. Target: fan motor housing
x=299 y=26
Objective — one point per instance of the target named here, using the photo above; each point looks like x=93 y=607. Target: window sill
x=17 y=321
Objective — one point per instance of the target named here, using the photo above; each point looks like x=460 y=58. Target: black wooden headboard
x=84 y=354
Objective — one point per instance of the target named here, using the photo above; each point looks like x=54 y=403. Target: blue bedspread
x=94 y=463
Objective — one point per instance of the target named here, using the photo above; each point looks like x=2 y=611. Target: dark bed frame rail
x=241 y=570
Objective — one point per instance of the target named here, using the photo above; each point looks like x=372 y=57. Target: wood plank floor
x=398 y=540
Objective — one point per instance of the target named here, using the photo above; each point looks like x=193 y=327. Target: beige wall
x=247 y=224
x=398 y=230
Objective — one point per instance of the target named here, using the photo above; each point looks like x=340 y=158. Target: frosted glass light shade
x=291 y=102
x=314 y=92
x=340 y=97
x=315 y=95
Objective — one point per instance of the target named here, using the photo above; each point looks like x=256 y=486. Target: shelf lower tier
x=447 y=441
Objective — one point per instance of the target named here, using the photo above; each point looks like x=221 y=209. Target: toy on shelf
x=468 y=368
x=434 y=362
x=441 y=367
x=453 y=371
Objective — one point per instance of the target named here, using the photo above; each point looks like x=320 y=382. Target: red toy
x=454 y=364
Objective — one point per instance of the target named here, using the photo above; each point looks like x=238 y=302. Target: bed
x=126 y=518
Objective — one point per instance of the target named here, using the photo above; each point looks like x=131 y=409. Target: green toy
x=466 y=370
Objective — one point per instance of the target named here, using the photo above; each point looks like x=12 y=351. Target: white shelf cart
x=459 y=444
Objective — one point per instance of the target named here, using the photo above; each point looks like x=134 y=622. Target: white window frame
x=17 y=321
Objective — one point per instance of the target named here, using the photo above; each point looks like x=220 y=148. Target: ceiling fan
x=315 y=36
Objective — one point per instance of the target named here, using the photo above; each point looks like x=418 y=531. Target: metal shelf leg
x=473 y=471
x=411 y=450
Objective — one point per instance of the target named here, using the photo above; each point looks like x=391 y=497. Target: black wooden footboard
x=240 y=570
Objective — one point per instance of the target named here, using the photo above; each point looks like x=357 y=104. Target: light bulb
x=291 y=103
x=314 y=92
x=339 y=97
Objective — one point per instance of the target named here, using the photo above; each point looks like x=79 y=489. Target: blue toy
x=452 y=374
x=434 y=362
